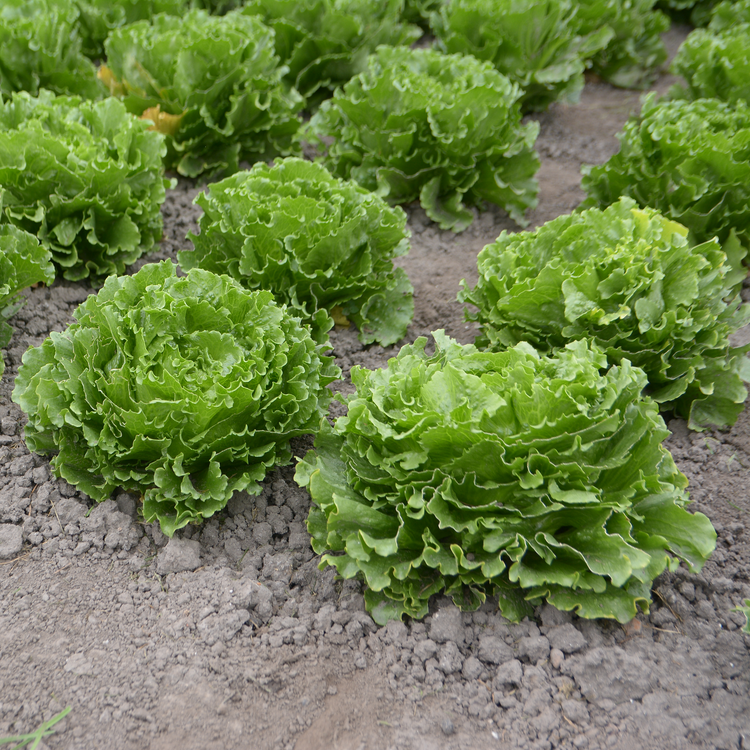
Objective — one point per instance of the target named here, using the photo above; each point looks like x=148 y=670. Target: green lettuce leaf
x=40 y=48
x=212 y=84
x=324 y=43
x=537 y=44
x=183 y=389
x=315 y=241
x=444 y=129
x=86 y=178
x=687 y=160
x=630 y=280
x=513 y=474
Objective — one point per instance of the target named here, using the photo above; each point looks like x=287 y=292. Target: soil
x=229 y=636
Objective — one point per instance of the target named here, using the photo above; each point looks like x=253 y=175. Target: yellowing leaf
x=163 y=121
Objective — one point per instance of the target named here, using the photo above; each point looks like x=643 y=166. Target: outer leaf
x=86 y=178
x=315 y=241
x=630 y=280
x=442 y=128
x=219 y=79
x=40 y=49
x=477 y=473
x=536 y=43
x=687 y=160
x=326 y=42
x=183 y=389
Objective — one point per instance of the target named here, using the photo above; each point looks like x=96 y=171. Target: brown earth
x=254 y=647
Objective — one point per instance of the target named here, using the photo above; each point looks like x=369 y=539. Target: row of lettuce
x=543 y=46
x=531 y=468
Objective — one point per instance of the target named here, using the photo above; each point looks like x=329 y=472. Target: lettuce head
x=324 y=43
x=444 y=129
x=185 y=389
x=40 y=48
x=319 y=243
x=536 y=43
x=715 y=64
x=87 y=178
x=212 y=84
x=632 y=281
x=535 y=478
x=689 y=160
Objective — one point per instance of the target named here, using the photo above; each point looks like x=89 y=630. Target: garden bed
x=251 y=646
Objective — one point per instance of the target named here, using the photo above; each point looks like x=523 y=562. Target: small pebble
x=447 y=727
x=556 y=658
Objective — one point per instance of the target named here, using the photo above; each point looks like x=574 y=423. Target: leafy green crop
x=746 y=611
x=715 y=65
x=183 y=389
x=212 y=84
x=475 y=473
x=445 y=129
x=87 y=178
x=326 y=42
x=629 y=279
x=40 y=48
x=636 y=51
x=98 y=18
x=315 y=241
x=536 y=43
x=23 y=262
x=688 y=160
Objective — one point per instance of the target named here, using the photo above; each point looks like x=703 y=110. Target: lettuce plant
x=536 y=43
x=444 y=129
x=212 y=84
x=98 y=18
x=630 y=280
x=40 y=48
x=23 y=262
x=633 y=56
x=318 y=243
x=688 y=160
x=715 y=65
x=536 y=478
x=183 y=389
x=86 y=177
x=326 y=42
